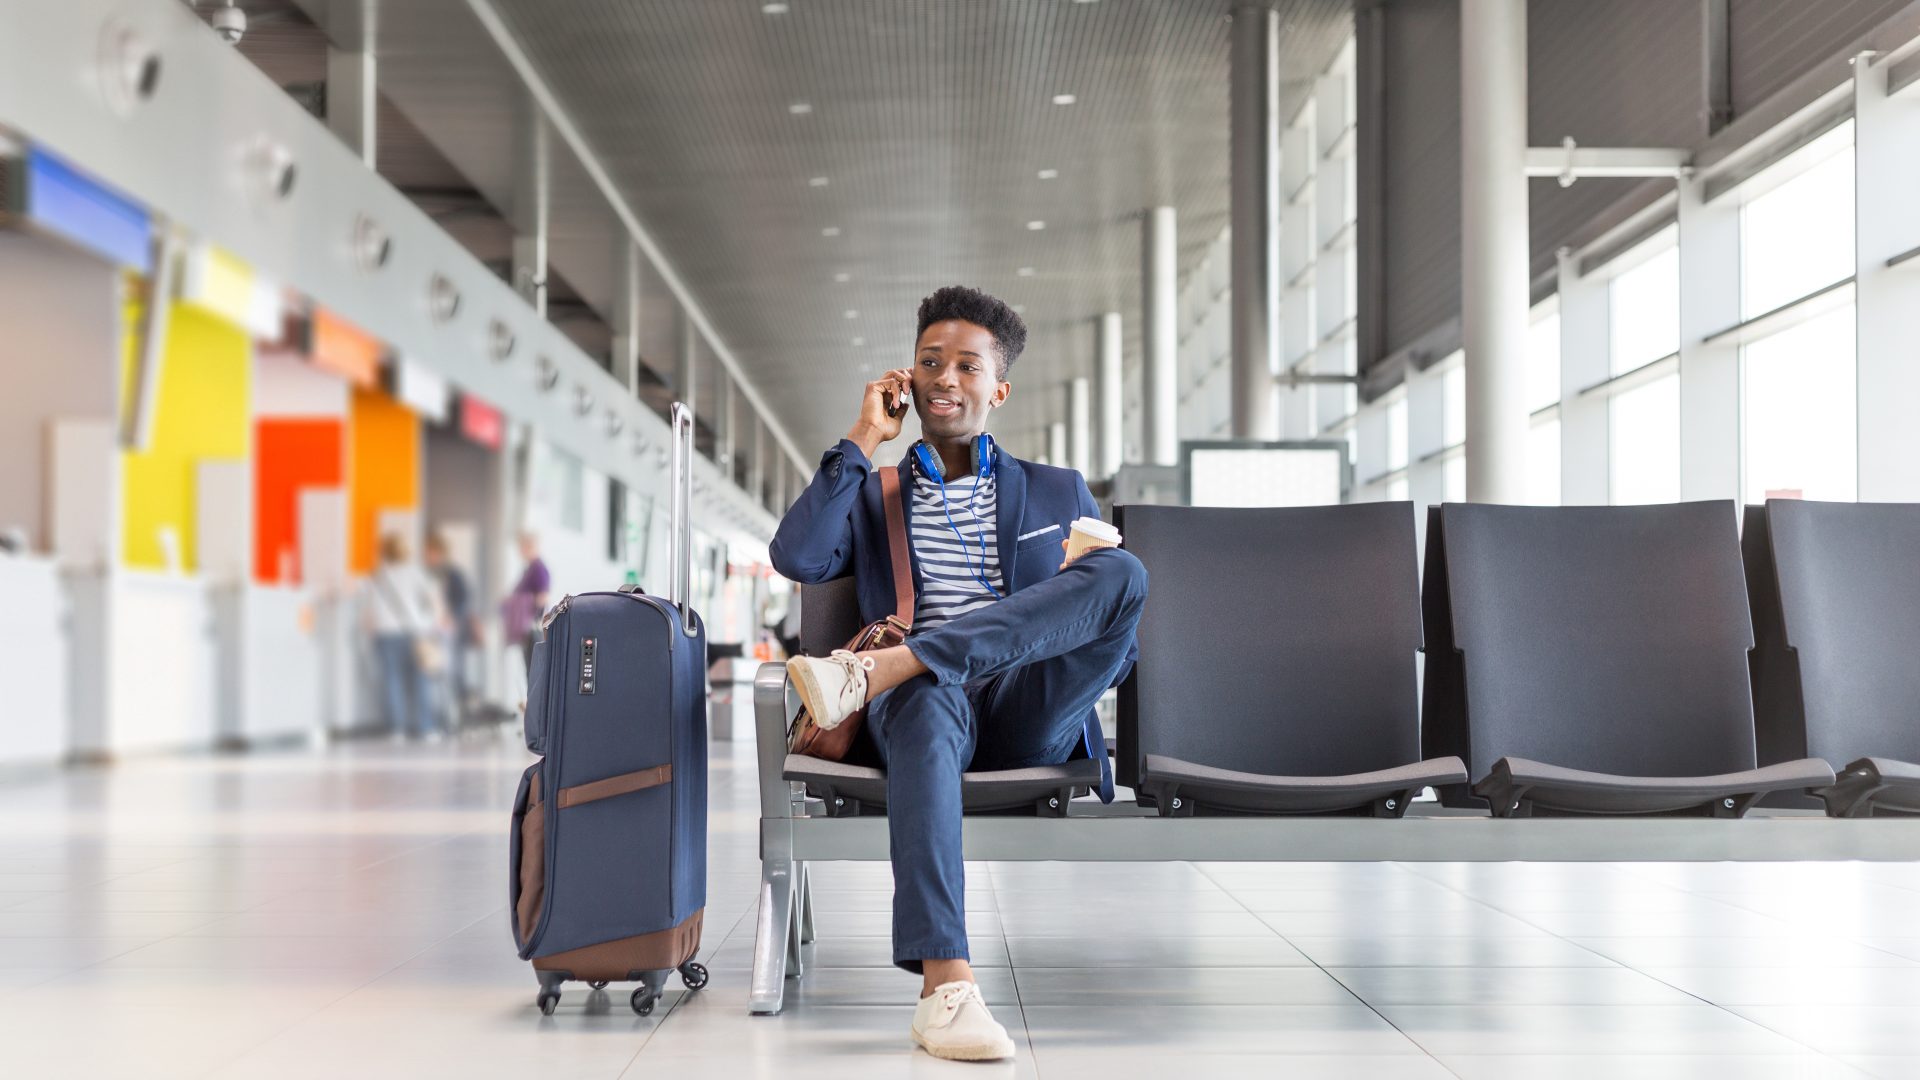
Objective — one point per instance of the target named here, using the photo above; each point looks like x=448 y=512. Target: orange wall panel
x=383 y=471
x=290 y=454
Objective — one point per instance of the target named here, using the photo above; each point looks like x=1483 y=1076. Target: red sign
x=482 y=422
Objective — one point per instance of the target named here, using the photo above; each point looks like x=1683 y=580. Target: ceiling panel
x=930 y=121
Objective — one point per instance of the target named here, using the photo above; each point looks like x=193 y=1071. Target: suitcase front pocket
x=527 y=876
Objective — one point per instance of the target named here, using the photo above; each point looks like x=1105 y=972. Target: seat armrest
x=771 y=713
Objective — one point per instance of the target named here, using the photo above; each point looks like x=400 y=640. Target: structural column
x=1057 y=443
x=1494 y=287
x=532 y=205
x=351 y=99
x=1109 y=395
x=1256 y=197
x=1080 y=425
x=723 y=436
x=756 y=454
x=686 y=372
x=1160 y=339
x=626 y=315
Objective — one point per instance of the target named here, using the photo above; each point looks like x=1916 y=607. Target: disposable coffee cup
x=1086 y=534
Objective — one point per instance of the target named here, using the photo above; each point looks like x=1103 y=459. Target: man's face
x=955 y=379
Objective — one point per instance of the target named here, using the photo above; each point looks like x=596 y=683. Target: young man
x=1011 y=646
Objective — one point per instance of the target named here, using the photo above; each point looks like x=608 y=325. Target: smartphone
x=896 y=405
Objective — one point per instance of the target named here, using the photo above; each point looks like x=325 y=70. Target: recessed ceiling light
x=801 y=108
x=1049 y=174
x=1025 y=271
x=849 y=314
x=1063 y=99
x=831 y=230
x=859 y=341
x=1036 y=226
x=843 y=277
x=818 y=181
x=1019 y=309
x=773 y=9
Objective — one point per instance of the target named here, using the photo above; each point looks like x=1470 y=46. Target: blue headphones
x=984 y=451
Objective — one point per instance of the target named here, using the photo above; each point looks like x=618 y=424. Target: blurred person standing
x=521 y=610
x=463 y=629
x=403 y=614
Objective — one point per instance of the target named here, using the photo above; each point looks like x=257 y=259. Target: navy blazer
x=838 y=526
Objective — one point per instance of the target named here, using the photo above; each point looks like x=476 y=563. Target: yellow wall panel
x=383 y=471
x=201 y=414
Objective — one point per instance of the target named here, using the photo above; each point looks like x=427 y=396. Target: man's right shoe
x=953 y=1023
x=832 y=687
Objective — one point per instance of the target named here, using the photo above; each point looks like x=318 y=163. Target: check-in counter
x=269 y=664
x=33 y=663
x=142 y=670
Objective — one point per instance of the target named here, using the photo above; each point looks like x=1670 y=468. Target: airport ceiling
x=811 y=173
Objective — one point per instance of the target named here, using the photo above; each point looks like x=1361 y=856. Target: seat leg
x=773 y=944
x=806 y=905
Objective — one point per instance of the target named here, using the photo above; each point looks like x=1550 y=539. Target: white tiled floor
x=342 y=913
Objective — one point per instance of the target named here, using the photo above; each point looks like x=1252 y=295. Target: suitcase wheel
x=643 y=1000
x=598 y=984
x=693 y=976
x=547 y=1002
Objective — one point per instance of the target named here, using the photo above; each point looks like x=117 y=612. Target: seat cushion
x=1205 y=788
x=851 y=789
x=1874 y=786
x=1519 y=787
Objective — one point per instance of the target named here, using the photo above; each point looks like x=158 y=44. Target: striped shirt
x=949 y=587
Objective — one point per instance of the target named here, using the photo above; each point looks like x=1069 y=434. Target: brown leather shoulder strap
x=897 y=545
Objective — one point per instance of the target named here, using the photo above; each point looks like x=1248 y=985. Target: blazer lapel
x=1010 y=501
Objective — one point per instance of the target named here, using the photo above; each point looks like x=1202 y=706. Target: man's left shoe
x=953 y=1023
x=833 y=687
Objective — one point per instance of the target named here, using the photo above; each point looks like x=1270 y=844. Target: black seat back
x=1607 y=638
x=1279 y=641
x=829 y=615
x=1837 y=608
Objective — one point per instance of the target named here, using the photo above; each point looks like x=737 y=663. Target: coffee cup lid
x=1097 y=529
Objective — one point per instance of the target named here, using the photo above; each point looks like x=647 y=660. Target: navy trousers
x=1009 y=686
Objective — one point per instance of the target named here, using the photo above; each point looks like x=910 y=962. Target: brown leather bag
x=806 y=737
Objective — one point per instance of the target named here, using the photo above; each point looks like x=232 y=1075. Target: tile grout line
x=1716 y=1006
x=1323 y=970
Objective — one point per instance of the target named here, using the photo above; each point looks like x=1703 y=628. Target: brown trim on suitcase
x=662 y=950
x=624 y=784
x=533 y=862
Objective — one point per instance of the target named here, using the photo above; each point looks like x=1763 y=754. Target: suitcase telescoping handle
x=680 y=502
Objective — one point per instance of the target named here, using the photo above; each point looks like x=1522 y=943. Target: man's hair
x=988 y=313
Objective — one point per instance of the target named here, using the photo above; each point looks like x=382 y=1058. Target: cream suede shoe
x=954 y=1023
x=833 y=687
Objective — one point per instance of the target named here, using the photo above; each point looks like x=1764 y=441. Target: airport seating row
x=1578 y=661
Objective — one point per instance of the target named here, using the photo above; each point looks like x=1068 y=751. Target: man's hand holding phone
x=886 y=401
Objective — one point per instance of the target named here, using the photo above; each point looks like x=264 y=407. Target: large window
x=1799 y=414
x=1796 y=236
x=1644 y=306
x=1643 y=423
x=1543 y=464
x=1644 y=438
x=1397 y=435
x=1453 y=406
x=1543 y=362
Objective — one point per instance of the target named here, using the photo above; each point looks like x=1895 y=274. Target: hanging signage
x=421 y=389
x=481 y=422
x=60 y=199
x=342 y=348
x=218 y=283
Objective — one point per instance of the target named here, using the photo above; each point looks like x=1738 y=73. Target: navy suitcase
x=608 y=880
